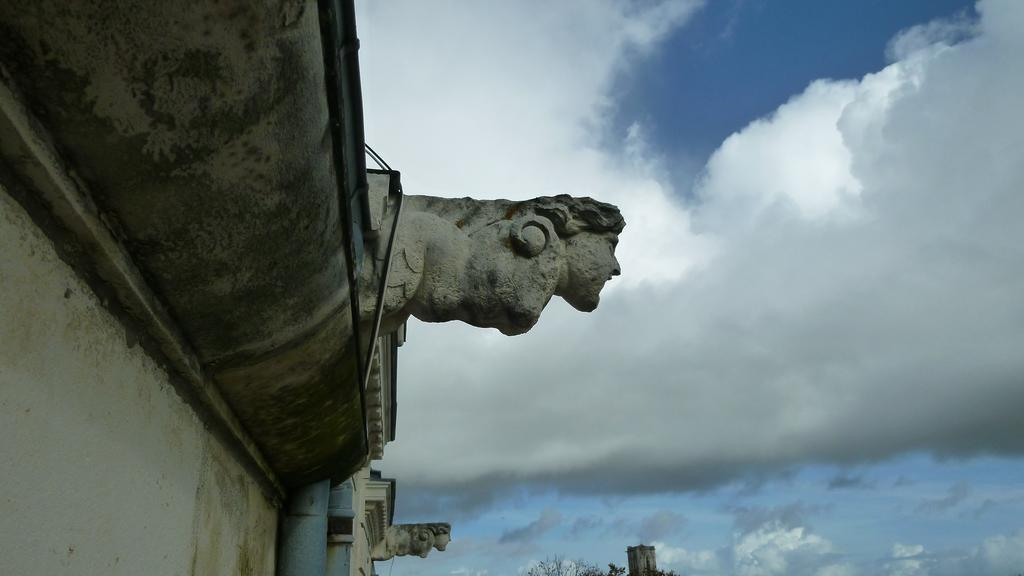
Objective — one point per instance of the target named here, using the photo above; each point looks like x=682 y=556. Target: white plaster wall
x=364 y=535
x=361 y=564
x=103 y=469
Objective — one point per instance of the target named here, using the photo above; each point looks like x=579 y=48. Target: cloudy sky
x=813 y=362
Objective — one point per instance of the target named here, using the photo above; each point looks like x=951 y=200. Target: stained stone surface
x=199 y=131
x=497 y=263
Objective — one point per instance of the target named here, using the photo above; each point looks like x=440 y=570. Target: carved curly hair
x=571 y=216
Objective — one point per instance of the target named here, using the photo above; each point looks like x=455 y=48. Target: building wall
x=362 y=565
x=105 y=470
x=368 y=497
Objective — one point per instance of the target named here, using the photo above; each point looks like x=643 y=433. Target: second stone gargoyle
x=412 y=540
x=495 y=263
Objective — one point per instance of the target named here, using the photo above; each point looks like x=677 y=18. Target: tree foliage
x=559 y=566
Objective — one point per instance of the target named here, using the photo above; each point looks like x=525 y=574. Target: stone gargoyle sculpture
x=491 y=263
x=495 y=263
x=412 y=540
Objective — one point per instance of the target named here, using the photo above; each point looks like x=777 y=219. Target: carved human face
x=590 y=262
x=441 y=539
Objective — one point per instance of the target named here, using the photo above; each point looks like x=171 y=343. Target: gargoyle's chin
x=517 y=321
x=584 y=303
x=515 y=329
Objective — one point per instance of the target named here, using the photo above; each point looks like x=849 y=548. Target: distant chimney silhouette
x=641 y=560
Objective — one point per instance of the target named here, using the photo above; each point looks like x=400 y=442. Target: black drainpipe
x=345 y=105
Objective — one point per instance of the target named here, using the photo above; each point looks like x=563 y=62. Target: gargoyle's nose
x=616 y=271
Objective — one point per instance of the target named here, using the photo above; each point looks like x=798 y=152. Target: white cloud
x=998 y=555
x=852 y=293
x=907 y=561
x=926 y=37
x=685 y=561
x=906 y=550
x=775 y=548
x=796 y=156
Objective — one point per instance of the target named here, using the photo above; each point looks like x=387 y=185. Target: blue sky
x=863 y=511
x=812 y=361
x=737 y=60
